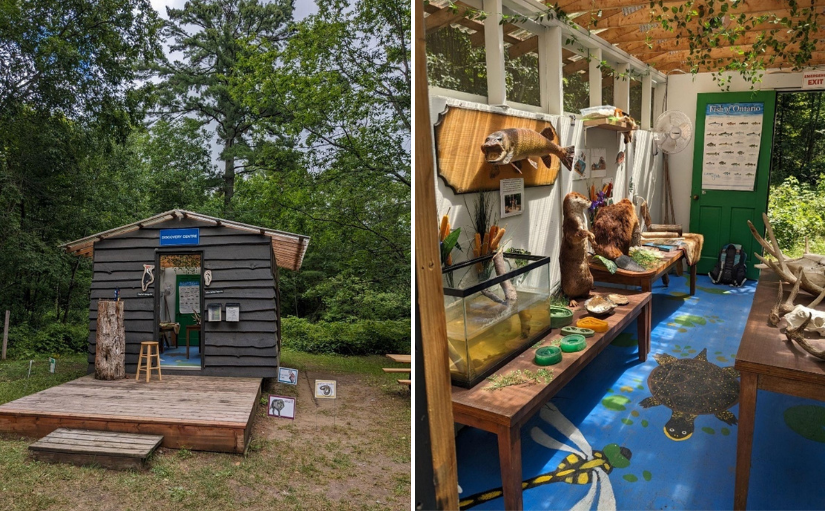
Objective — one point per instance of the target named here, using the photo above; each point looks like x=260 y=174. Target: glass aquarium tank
x=491 y=318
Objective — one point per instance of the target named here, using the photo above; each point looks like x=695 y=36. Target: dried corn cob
x=445 y=228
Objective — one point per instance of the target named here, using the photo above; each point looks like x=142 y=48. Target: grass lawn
x=350 y=454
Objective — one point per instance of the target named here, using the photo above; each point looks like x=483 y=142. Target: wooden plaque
x=459 y=135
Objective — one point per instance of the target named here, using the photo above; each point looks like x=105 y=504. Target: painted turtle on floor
x=692 y=387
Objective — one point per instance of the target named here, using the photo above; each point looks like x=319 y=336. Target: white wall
x=538 y=229
x=682 y=92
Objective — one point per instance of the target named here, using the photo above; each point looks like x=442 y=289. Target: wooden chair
x=147 y=355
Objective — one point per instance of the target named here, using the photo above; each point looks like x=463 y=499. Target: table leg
x=693 y=280
x=647 y=285
x=643 y=327
x=744 y=440
x=509 y=452
x=666 y=279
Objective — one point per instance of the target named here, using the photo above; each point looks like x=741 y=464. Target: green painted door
x=187 y=291
x=722 y=215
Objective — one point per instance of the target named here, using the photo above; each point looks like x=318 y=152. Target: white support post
x=494 y=52
x=647 y=97
x=595 y=77
x=550 y=71
x=658 y=99
x=621 y=88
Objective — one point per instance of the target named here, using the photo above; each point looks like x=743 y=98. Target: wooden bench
x=401 y=359
x=644 y=279
x=121 y=451
x=504 y=411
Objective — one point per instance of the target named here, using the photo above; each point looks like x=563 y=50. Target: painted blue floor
x=603 y=403
x=176 y=357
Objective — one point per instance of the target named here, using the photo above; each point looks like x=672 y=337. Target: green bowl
x=560 y=316
x=547 y=356
x=573 y=343
x=574 y=330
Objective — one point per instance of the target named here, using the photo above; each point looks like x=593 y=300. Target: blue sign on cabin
x=170 y=237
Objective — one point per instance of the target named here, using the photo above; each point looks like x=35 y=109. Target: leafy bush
x=797 y=210
x=54 y=338
x=364 y=337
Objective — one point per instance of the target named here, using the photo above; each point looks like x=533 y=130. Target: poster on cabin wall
x=189 y=297
x=580 y=168
x=733 y=135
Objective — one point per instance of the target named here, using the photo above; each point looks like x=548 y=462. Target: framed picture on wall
x=512 y=197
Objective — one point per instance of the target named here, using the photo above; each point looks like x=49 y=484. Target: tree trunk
x=228 y=179
x=110 y=353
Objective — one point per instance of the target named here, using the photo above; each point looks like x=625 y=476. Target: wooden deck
x=194 y=412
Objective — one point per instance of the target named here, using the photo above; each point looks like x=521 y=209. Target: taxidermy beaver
x=506 y=147
x=576 y=280
x=615 y=228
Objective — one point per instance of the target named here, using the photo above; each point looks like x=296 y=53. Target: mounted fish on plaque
x=477 y=147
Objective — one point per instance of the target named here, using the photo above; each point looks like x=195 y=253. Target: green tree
x=213 y=35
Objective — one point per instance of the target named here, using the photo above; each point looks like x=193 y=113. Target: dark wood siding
x=242 y=267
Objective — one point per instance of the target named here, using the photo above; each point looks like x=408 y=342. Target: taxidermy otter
x=616 y=228
x=576 y=280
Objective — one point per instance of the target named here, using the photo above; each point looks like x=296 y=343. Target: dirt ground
x=350 y=454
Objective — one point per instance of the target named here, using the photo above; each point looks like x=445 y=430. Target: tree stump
x=110 y=351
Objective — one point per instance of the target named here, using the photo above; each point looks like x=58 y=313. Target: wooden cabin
x=204 y=287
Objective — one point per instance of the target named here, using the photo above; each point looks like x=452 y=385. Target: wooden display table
x=767 y=361
x=643 y=279
x=504 y=411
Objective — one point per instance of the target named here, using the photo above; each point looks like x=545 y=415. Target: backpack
x=731 y=267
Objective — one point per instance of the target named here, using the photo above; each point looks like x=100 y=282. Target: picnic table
x=401 y=359
x=504 y=411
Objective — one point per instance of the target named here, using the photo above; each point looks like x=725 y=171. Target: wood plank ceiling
x=629 y=25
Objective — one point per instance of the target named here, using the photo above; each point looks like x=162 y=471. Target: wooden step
x=396 y=369
x=121 y=451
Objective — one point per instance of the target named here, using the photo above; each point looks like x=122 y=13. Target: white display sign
x=325 y=389
x=512 y=197
x=813 y=80
x=733 y=135
x=189 y=296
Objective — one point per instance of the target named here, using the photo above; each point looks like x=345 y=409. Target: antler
x=797 y=335
x=779 y=266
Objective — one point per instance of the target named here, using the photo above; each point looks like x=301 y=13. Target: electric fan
x=673 y=131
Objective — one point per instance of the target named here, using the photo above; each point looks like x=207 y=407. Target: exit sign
x=813 y=80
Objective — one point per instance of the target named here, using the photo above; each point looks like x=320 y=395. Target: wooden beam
x=645 y=15
x=429 y=290
x=444 y=17
x=670 y=67
x=638 y=49
x=494 y=53
x=716 y=53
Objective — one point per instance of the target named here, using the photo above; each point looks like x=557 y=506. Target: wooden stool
x=146 y=354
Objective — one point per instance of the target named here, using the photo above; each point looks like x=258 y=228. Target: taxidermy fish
x=506 y=147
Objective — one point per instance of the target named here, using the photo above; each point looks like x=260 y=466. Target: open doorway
x=796 y=204
x=179 y=314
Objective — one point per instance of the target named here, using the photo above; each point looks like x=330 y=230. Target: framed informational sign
x=288 y=376
x=281 y=406
x=512 y=197
x=730 y=155
x=213 y=312
x=325 y=389
x=233 y=312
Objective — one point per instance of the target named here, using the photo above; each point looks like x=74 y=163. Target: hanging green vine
x=719 y=38
x=710 y=26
